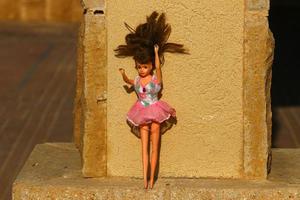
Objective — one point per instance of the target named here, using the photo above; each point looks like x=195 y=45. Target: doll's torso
x=147 y=94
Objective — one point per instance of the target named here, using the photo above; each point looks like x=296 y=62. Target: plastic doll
x=147 y=44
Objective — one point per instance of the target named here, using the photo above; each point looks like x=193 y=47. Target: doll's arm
x=157 y=64
x=125 y=78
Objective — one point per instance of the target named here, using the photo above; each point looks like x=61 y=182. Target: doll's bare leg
x=144 y=130
x=155 y=137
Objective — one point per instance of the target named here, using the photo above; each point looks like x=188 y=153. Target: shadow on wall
x=41 y=10
x=286 y=68
x=283 y=20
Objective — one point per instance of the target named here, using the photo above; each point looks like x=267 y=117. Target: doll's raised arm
x=125 y=78
x=157 y=64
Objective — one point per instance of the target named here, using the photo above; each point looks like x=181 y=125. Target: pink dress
x=148 y=108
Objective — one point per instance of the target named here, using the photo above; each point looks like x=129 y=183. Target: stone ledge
x=53 y=171
x=258 y=5
x=93 y=4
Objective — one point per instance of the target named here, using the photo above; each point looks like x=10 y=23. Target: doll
x=147 y=44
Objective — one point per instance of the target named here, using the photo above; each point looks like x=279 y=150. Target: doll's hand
x=122 y=71
x=156 y=47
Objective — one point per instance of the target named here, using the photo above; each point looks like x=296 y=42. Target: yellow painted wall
x=205 y=88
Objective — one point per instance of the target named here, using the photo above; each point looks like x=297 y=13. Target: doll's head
x=144 y=69
x=144 y=62
x=141 y=40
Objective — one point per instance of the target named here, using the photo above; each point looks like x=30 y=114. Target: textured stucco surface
x=53 y=171
x=205 y=88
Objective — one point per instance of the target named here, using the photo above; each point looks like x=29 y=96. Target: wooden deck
x=37 y=87
x=286 y=127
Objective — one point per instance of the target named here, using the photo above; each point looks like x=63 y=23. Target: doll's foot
x=151 y=184
x=145 y=184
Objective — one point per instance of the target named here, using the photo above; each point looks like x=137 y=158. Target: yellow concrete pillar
x=90 y=103
x=221 y=91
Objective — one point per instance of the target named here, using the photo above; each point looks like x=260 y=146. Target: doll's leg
x=144 y=130
x=155 y=137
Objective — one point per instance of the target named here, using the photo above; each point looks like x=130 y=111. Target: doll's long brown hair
x=140 y=41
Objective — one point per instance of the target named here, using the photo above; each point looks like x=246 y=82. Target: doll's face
x=144 y=69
